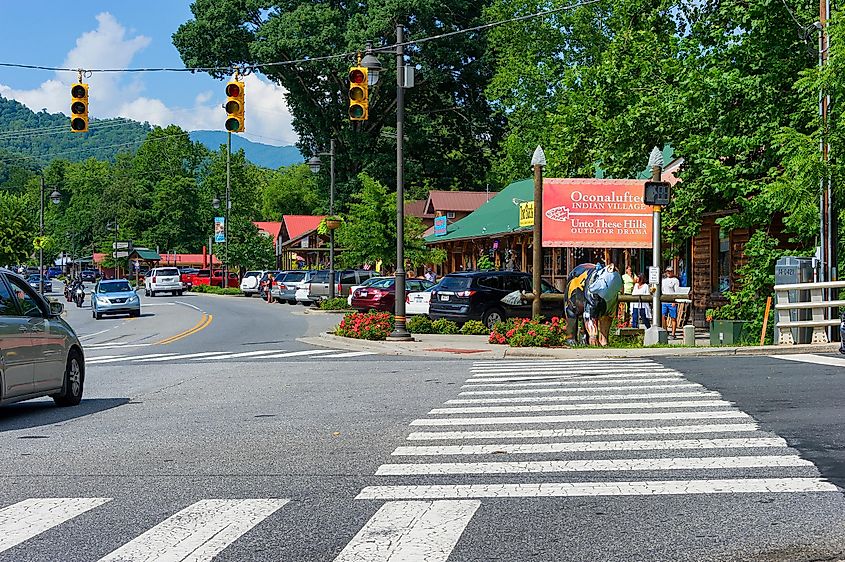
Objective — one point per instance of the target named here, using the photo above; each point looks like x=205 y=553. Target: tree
x=248 y=248
x=16 y=231
x=292 y=191
x=451 y=129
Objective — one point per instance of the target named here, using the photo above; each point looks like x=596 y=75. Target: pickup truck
x=204 y=277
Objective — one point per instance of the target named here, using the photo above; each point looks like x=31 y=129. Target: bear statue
x=592 y=292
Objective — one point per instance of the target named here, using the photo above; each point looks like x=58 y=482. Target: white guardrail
x=817 y=304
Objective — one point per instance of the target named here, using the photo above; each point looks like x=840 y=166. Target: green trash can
x=726 y=332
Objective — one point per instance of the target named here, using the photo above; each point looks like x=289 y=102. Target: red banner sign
x=591 y=213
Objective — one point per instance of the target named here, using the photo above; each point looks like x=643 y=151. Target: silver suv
x=40 y=354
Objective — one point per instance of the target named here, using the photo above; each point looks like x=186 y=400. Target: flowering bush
x=474 y=328
x=522 y=332
x=444 y=326
x=369 y=326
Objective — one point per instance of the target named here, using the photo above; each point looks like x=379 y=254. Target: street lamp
x=314 y=164
x=372 y=64
x=215 y=202
x=56 y=198
x=114 y=227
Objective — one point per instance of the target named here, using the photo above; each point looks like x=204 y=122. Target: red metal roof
x=462 y=201
x=415 y=208
x=274 y=229
x=184 y=259
x=297 y=225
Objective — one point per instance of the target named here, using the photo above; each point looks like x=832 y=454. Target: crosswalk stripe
x=351 y=354
x=815 y=359
x=589 y=446
x=520 y=378
x=97 y=361
x=580 y=489
x=572 y=372
x=197 y=533
x=574 y=432
x=669 y=386
x=300 y=353
x=594 y=406
x=518 y=399
x=30 y=517
x=180 y=357
x=582 y=367
x=96 y=346
x=411 y=531
x=98 y=357
x=594 y=465
x=639 y=416
x=241 y=354
x=565 y=362
x=567 y=382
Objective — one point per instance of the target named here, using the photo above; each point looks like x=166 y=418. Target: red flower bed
x=369 y=326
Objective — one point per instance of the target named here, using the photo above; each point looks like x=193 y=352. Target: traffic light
x=235 y=107
x=79 y=108
x=358 y=94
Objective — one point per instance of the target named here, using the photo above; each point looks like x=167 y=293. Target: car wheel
x=71 y=393
x=491 y=316
x=179 y=293
x=152 y=293
x=135 y=314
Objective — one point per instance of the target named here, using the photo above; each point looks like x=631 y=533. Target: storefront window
x=724 y=266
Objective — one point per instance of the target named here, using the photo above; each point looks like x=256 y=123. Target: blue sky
x=122 y=34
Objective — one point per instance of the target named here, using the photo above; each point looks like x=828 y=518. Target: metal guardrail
x=816 y=303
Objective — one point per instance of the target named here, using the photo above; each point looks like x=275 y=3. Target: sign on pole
x=440 y=226
x=526 y=213
x=653 y=275
x=219 y=229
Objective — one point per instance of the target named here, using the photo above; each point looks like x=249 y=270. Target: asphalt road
x=370 y=458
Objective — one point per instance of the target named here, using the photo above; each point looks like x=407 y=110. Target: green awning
x=147 y=255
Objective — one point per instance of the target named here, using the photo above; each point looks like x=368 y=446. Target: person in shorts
x=669 y=310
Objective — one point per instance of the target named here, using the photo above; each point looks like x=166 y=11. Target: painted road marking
x=572 y=432
x=546 y=383
x=204 y=322
x=600 y=465
x=639 y=416
x=422 y=531
x=564 y=362
x=26 y=519
x=578 y=373
x=518 y=399
x=98 y=361
x=815 y=359
x=594 y=406
x=587 y=446
x=197 y=533
x=96 y=346
x=350 y=354
x=300 y=353
x=519 y=378
x=669 y=386
x=242 y=354
x=579 y=489
x=180 y=357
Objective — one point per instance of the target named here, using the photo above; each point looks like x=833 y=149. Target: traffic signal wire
x=245 y=68
x=13 y=134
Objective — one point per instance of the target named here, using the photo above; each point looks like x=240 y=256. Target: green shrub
x=366 y=326
x=420 y=325
x=338 y=303
x=216 y=290
x=474 y=328
x=444 y=326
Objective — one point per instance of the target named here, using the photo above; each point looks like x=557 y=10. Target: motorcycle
x=68 y=292
x=79 y=296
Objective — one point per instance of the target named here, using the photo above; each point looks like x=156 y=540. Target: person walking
x=669 y=310
x=641 y=311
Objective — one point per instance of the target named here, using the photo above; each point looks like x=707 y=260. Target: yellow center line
x=204 y=322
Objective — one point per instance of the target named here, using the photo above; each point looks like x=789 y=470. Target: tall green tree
x=293 y=191
x=16 y=230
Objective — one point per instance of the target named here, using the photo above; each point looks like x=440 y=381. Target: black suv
x=477 y=295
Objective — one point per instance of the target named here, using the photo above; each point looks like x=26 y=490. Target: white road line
x=350 y=354
x=564 y=362
x=572 y=432
x=411 y=531
x=597 y=465
x=639 y=416
x=579 y=383
x=574 y=372
x=518 y=399
x=198 y=532
x=188 y=305
x=300 y=353
x=579 y=489
x=815 y=359
x=668 y=386
x=86 y=336
x=30 y=517
x=98 y=361
x=588 y=446
x=115 y=345
x=242 y=354
x=521 y=378
x=91 y=358
x=594 y=406
x=180 y=357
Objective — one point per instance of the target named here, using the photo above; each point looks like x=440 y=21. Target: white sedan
x=417 y=303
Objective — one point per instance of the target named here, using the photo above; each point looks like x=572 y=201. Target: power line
x=251 y=66
x=22 y=133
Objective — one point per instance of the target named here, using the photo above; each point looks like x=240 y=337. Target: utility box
x=792 y=269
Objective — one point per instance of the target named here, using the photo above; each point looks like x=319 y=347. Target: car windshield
x=252 y=274
x=168 y=271
x=294 y=277
x=372 y=280
x=384 y=283
x=114 y=287
x=450 y=283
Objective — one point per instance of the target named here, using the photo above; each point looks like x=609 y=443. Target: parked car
x=54 y=272
x=477 y=295
x=89 y=275
x=163 y=280
x=344 y=280
x=35 y=282
x=266 y=282
x=250 y=282
x=366 y=283
x=185 y=277
x=382 y=294
x=206 y=277
x=287 y=284
x=418 y=303
x=40 y=354
x=114 y=297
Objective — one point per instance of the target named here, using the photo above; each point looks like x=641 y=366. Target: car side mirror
x=56 y=308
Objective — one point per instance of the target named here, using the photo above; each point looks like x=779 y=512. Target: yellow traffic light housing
x=358 y=94
x=79 y=108
x=235 y=107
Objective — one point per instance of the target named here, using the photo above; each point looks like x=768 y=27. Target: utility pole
x=331 y=214
x=538 y=162
x=827 y=214
x=228 y=206
x=656 y=333
x=41 y=240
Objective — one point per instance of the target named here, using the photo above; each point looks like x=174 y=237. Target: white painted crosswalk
x=213 y=356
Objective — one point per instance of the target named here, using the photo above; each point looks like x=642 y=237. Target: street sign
x=440 y=226
x=653 y=275
x=656 y=193
x=219 y=229
x=121 y=245
x=526 y=213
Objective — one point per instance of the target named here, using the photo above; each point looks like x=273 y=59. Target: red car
x=381 y=295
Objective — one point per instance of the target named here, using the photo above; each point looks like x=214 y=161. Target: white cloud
x=121 y=94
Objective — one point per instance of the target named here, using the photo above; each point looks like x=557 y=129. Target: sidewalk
x=476 y=347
